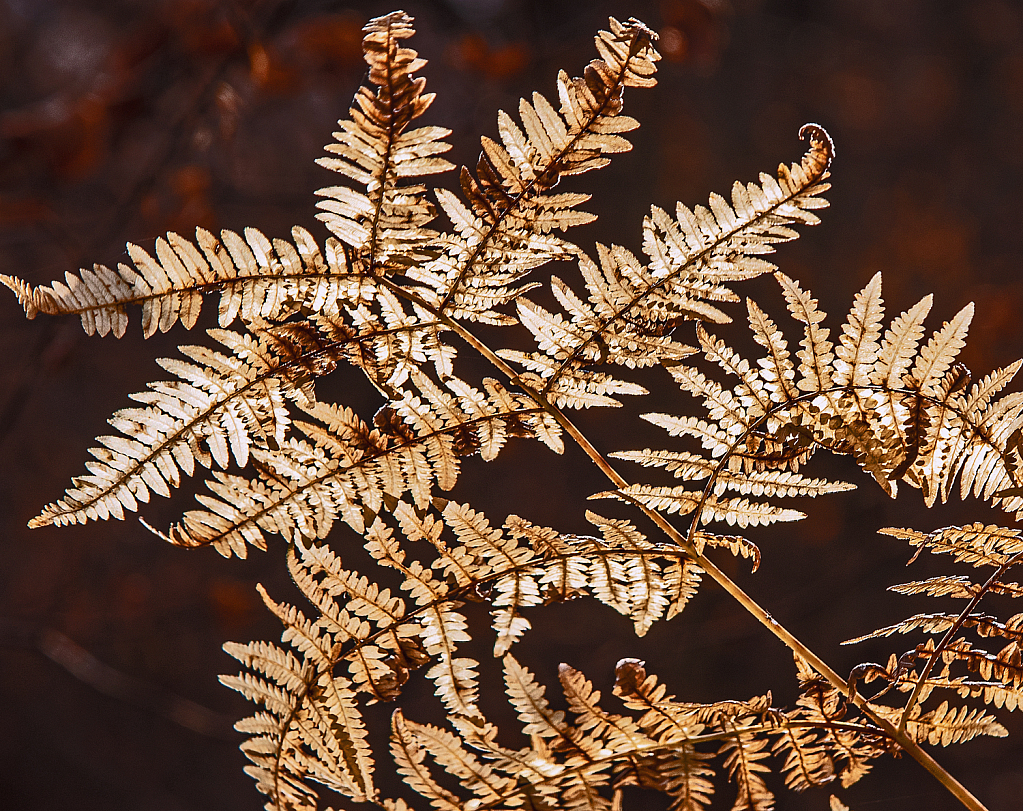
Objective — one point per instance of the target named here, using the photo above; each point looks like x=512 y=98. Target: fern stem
x=951 y=632
x=758 y=612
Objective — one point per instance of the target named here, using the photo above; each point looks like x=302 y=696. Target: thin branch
x=80 y=663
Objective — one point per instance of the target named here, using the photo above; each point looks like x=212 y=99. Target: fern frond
x=258 y=280
x=631 y=307
x=299 y=739
x=409 y=754
x=858 y=347
x=743 y=754
x=507 y=228
x=304 y=486
x=945 y=725
x=816 y=356
x=976 y=544
x=377 y=150
x=217 y=409
x=733 y=511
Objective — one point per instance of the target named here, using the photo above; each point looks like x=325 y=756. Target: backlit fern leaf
x=908 y=416
x=347 y=467
x=507 y=228
x=376 y=149
x=690 y=261
x=388 y=297
x=257 y=280
x=298 y=739
x=917 y=672
x=219 y=406
x=589 y=752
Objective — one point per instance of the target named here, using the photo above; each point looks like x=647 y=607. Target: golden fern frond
x=904 y=412
x=258 y=280
x=976 y=544
x=380 y=639
x=507 y=228
x=984 y=624
x=916 y=672
x=858 y=348
x=1006 y=666
x=225 y=405
x=221 y=406
x=816 y=355
x=807 y=760
x=945 y=725
x=631 y=306
x=578 y=757
x=941 y=586
x=297 y=740
x=262 y=280
x=907 y=681
x=743 y=754
x=733 y=511
x=377 y=150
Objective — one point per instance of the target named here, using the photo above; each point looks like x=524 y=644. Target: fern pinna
x=395 y=296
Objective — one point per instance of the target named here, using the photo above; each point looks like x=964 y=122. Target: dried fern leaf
x=976 y=544
x=508 y=227
x=409 y=754
x=630 y=306
x=807 y=761
x=303 y=487
x=376 y=149
x=945 y=725
x=858 y=347
x=221 y=407
x=743 y=754
x=733 y=511
x=816 y=355
x=984 y=624
x=312 y=729
x=776 y=370
x=258 y=280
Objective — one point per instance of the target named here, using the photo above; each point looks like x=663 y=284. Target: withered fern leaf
x=395 y=295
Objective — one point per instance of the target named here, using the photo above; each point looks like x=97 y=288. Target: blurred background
x=122 y=120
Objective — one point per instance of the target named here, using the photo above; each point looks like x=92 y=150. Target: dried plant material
x=394 y=296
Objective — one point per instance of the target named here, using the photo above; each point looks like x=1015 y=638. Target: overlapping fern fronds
x=393 y=296
x=377 y=639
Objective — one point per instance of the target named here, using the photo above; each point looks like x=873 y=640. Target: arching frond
x=508 y=227
x=907 y=415
x=298 y=740
x=690 y=262
x=346 y=467
x=589 y=752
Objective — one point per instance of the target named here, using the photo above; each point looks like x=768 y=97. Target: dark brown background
x=121 y=120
